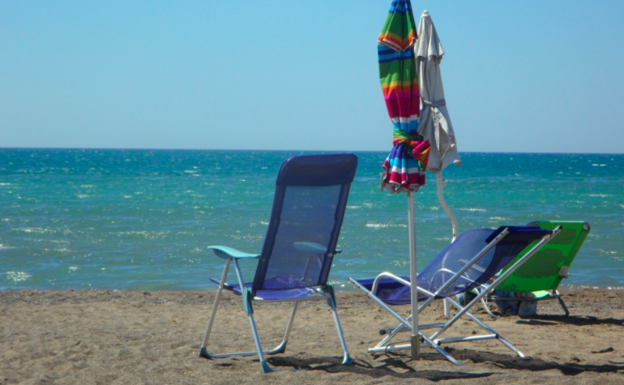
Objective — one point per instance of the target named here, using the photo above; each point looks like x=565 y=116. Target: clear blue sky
x=519 y=76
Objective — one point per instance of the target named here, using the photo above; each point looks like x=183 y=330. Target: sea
x=74 y=219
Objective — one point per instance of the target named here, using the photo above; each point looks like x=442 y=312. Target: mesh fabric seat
x=471 y=261
x=308 y=209
x=542 y=274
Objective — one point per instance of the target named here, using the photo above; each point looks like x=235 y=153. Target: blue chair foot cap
x=204 y=353
x=266 y=368
x=347 y=359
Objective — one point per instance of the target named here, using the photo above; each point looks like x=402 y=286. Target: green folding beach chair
x=539 y=277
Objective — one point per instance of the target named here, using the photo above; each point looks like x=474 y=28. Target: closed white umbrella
x=435 y=122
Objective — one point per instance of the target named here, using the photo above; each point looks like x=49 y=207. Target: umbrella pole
x=415 y=350
x=440 y=184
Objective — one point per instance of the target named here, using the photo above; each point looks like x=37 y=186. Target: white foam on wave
x=384 y=225
x=471 y=209
x=34 y=230
x=401 y=262
x=150 y=235
x=18 y=276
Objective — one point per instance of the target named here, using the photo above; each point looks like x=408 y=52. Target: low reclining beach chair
x=308 y=208
x=541 y=275
x=472 y=260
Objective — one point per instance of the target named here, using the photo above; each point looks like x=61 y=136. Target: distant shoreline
x=289 y=151
x=213 y=288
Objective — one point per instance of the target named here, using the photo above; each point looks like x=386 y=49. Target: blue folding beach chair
x=308 y=208
x=473 y=259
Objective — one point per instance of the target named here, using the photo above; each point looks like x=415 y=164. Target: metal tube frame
x=500 y=278
x=282 y=346
x=433 y=340
x=407 y=323
x=432 y=296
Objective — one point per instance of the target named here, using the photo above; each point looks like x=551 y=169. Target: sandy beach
x=118 y=337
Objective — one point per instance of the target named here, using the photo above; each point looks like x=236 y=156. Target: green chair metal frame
x=543 y=272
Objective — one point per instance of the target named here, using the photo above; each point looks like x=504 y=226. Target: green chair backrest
x=546 y=269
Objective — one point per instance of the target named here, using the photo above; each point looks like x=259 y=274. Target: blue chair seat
x=298 y=291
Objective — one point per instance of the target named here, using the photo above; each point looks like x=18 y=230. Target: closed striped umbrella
x=404 y=169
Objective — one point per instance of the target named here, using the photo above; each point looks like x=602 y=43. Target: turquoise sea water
x=141 y=219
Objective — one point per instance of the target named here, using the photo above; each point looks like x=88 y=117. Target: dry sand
x=112 y=337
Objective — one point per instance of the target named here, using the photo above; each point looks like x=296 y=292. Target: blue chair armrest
x=228 y=252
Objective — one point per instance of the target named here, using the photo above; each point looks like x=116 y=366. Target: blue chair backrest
x=465 y=247
x=308 y=208
x=457 y=255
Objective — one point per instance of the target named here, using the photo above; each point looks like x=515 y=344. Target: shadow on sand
x=546 y=320
x=390 y=365
x=532 y=364
x=397 y=366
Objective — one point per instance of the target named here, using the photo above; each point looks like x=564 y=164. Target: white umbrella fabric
x=435 y=122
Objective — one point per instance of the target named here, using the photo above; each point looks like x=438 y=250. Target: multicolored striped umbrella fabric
x=404 y=167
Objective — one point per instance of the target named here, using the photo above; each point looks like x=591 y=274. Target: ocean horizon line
x=285 y=151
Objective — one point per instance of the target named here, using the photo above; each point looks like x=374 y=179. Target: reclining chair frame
x=433 y=340
x=324 y=293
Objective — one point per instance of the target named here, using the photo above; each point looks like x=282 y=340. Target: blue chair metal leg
x=263 y=364
x=202 y=351
x=332 y=304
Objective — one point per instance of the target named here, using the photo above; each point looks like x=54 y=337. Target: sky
x=519 y=76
